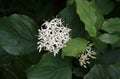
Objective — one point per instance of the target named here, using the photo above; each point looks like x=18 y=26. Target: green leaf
x=102 y=72
x=100 y=17
x=109 y=38
x=89 y=15
x=70 y=2
x=106 y=6
x=72 y=21
x=112 y=25
x=51 y=67
x=111 y=56
x=74 y=47
x=17 y=34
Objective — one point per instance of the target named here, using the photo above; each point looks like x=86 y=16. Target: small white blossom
x=53 y=36
x=86 y=55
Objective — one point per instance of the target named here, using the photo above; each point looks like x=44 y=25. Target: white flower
x=86 y=55
x=53 y=36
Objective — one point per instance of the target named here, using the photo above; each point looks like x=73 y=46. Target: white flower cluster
x=86 y=55
x=53 y=36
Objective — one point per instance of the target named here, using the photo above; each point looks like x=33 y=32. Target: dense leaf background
x=95 y=21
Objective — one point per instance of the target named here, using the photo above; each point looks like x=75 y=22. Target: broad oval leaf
x=111 y=25
x=109 y=38
x=106 y=6
x=89 y=15
x=17 y=34
x=102 y=72
x=74 y=47
x=51 y=67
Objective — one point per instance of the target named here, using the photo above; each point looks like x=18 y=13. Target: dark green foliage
x=102 y=72
x=51 y=67
x=75 y=47
x=90 y=21
x=17 y=34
